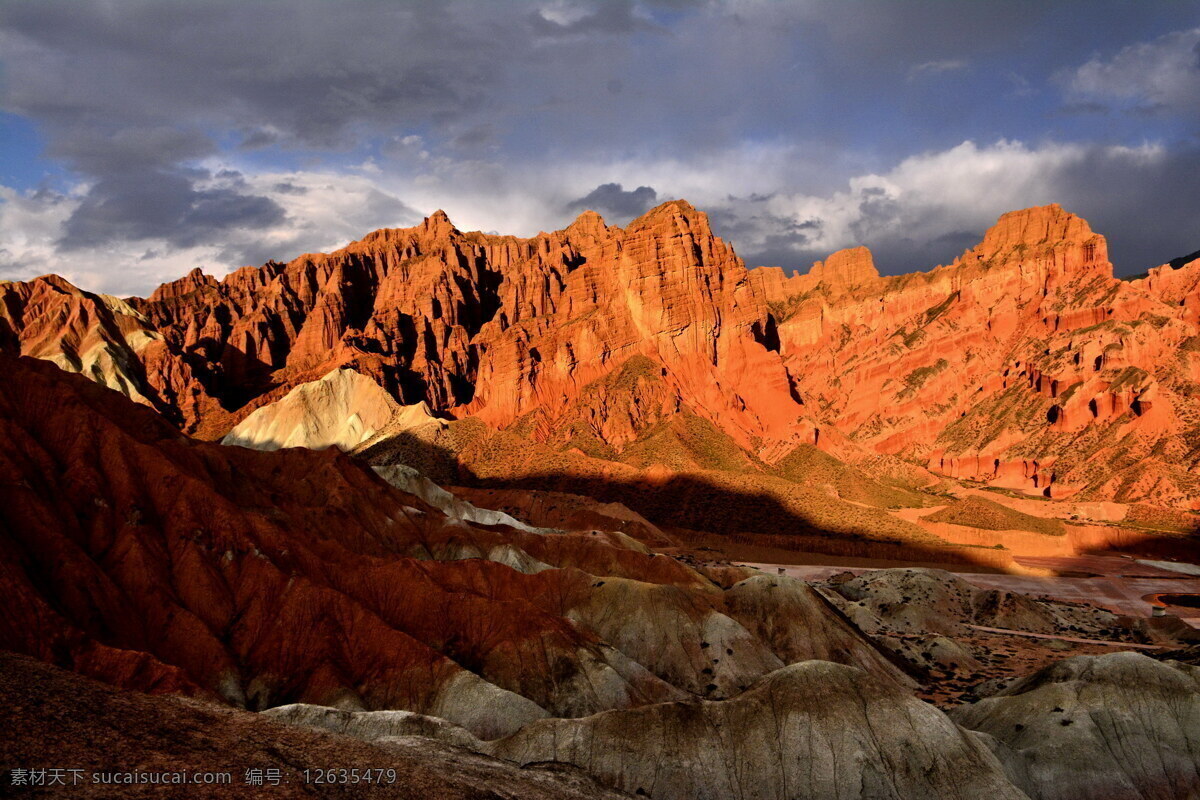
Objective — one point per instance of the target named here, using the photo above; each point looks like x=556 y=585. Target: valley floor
x=1120 y=584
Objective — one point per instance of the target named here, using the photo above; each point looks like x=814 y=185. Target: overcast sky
x=140 y=139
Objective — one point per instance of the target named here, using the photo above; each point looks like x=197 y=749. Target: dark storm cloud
x=474 y=137
x=376 y=210
x=137 y=96
x=258 y=139
x=954 y=242
x=304 y=71
x=1147 y=206
x=131 y=95
x=877 y=211
x=126 y=149
x=770 y=239
x=893 y=253
x=1149 y=211
x=611 y=200
x=142 y=189
x=283 y=187
x=154 y=204
x=319 y=74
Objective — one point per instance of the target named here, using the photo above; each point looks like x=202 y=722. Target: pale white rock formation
x=810 y=731
x=676 y=636
x=342 y=409
x=484 y=709
x=798 y=624
x=373 y=725
x=412 y=481
x=1119 y=726
x=933 y=601
x=1173 y=566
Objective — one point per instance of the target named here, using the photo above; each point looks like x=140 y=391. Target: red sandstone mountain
x=1024 y=364
x=493 y=327
x=648 y=366
x=604 y=398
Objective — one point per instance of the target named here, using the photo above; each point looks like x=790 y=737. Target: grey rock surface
x=811 y=731
x=1119 y=726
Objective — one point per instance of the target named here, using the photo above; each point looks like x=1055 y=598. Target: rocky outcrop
x=342 y=409
x=197 y=587
x=494 y=326
x=103 y=338
x=373 y=726
x=1112 y=727
x=413 y=482
x=845 y=269
x=793 y=619
x=1115 y=727
x=163 y=563
x=933 y=601
x=302 y=579
x=1024 y=364
x=813 y=730
x=109 y=735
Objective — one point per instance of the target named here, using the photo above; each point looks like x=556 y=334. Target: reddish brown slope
x=257 y=578
x=131 y=553
x=103 y=338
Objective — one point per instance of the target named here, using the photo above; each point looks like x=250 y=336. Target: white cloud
x=31 y=224
x=1164 y=71
x=925 y=208
x=323 y=211
x=936 y=67
x=948 y=195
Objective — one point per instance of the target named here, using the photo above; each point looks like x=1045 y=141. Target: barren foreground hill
x=378 y=606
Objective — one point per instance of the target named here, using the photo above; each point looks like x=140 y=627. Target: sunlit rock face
x=496 y=327
x=1024 y=364
x=101 y=337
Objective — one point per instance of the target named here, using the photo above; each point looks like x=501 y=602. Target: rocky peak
x=588 y=223
x=56 y=283
x=196 y=279
x=1058 y=242
x=846 y=268
x=1039 y=227
x=438 y=224
x=680 y=211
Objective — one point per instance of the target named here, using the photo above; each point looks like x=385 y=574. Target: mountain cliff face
x=1023 y=365
x=495 y=327
x=102 y=337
